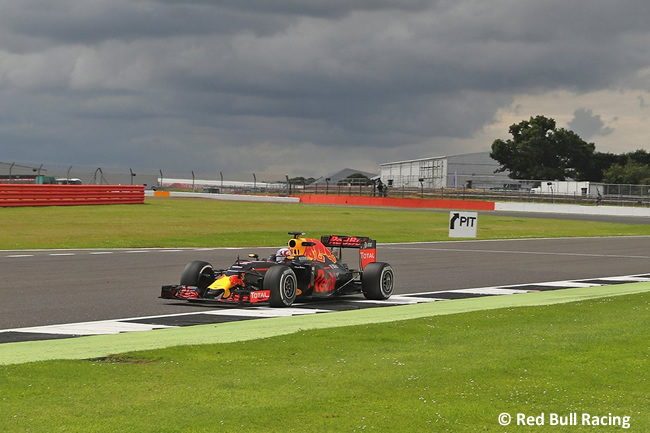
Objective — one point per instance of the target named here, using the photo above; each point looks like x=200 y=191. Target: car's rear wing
x=367 y=247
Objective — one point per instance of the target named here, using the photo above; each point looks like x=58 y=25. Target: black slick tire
x=281 y=282
x=198 y=274
x=377 y=281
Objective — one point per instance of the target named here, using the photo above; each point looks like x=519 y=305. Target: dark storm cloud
x=44 y=23
x=314 y=8
x=193 y=82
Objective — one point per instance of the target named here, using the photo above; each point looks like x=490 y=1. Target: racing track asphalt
x=54 y=287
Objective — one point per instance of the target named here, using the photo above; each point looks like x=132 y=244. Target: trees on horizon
x=539 y=150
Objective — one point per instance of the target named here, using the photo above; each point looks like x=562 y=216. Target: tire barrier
x=17 y=195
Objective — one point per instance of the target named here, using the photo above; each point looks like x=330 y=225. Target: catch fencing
x=17 y=195
x=549 y=192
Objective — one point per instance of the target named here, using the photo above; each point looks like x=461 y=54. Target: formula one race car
x=307 y=268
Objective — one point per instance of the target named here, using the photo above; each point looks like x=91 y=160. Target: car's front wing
x=191 y=293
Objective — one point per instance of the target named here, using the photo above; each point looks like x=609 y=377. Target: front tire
x=198 y=274
x=377 y=281
x=282 y=283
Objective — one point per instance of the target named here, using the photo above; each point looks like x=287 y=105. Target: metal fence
x=518 y=191
x=476 y=187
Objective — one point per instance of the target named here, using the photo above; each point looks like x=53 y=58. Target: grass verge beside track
x=209 y=223
x=453 y=366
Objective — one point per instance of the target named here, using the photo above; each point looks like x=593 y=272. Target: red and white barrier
x=397 y=202
x=15 y=195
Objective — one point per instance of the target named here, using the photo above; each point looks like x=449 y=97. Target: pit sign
x=463 y=224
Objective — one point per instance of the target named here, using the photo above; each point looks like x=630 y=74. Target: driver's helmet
x=282 y=254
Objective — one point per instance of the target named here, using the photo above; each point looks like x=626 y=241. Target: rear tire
x=377 y=281
x=281 y=281
x=198 y=274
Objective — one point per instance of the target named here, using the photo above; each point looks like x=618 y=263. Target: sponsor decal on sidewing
x=260 y=296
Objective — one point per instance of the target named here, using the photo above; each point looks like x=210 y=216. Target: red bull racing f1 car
x=306 y=268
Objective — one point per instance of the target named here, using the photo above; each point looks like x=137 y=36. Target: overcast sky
x=308 y=87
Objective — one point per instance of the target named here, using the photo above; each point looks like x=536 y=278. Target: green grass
x=442 y=373
x=209 y=223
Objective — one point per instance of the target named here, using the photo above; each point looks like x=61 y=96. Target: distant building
x=336 y=177
x=569 y=187
x=217 y=186
x=472 y=170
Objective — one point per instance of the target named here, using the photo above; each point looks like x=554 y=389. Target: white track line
x=103 y=327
